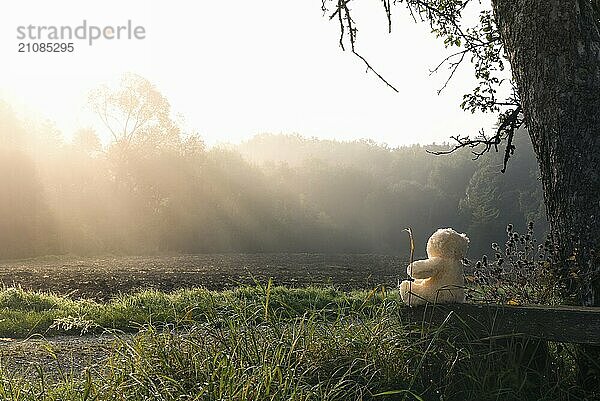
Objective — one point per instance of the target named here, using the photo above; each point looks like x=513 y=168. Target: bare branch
x=369 y=68
x=388 y=12
x=510 y=123
x=453 y=67
x=346 y=22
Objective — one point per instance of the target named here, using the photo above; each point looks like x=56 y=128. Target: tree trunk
x=553 y=47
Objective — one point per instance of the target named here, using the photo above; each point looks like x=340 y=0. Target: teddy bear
x=438 y=279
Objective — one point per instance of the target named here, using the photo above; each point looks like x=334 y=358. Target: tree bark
x=553 y=47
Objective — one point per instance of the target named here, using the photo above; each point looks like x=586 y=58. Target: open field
x=26 y=318
x=103 y=277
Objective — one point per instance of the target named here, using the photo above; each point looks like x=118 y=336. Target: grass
x=270 y=343
x=24 y=313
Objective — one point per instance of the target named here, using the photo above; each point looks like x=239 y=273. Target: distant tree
x=135 y=113
x=481 y=205
x=86 y=140
x=26 y=222
x=143 y=155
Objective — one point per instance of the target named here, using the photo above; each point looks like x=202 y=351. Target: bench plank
x=568 y=324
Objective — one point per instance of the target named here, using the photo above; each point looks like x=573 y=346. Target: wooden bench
x=567 y=324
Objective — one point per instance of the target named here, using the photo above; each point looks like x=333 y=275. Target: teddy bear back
x=447 y=243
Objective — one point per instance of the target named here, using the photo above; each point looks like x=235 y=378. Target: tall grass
x=273 y=343
x=24 y=313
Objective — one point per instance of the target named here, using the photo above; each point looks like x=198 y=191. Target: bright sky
x=236 y=68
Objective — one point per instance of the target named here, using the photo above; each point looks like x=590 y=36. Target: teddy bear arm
x=422 y=269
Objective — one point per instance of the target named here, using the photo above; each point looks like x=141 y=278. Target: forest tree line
x=273 y=193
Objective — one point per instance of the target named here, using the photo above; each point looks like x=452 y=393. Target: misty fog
x=156 y=189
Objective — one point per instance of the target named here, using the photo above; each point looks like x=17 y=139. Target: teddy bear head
x=447 y=243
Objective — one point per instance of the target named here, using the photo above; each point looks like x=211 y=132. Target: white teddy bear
x=438 y=279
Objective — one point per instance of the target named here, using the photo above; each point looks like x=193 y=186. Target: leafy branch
x=481 y=45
